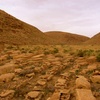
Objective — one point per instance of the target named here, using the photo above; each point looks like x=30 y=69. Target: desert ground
x=50 y=72
x=34 y=67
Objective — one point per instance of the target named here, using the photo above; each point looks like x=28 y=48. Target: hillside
x=67 y=38
x=14 y=31
x=95 y=40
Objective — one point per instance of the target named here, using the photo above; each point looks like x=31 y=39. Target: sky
x=75 y=16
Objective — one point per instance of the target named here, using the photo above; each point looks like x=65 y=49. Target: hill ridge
x=66 y=37
x=95 y=40
x=15 y=31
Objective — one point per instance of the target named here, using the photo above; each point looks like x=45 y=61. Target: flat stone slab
x=84 y=94
x=7 y=68
x=55 y=96
x=61 y=81
x=7 y=77
x=41 y=82
x=33 y=94
x=82 y=82
x=31 y=75
x=92 y=67
x=7 y=92
x=95 y=79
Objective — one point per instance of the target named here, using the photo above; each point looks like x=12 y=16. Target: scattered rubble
x=36 y=76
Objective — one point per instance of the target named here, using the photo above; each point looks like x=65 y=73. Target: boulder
x=92 y=67
x=61 y=81
x=18 y=70
x=41 y=82
x=7 y=68
x=33 y=94
x=91 y=59
x=7 y=93
x=84 y=94
x=64 y=75
x=7 y=77
x=96 y=72
x=46 y=77
x=95 y=79
x=55 y=96
x=30 y=75
x=81 y=82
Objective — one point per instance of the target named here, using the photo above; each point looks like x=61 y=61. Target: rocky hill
x=66 y=38
x=14 y=31
x=95 y=40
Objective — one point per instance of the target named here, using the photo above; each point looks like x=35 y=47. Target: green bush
x=10 y=47
x=98 y=57
x=55 y=51
x=9 y=57
x=80 y=53
x=89 y=52
x=65 y=51
x=46 y=52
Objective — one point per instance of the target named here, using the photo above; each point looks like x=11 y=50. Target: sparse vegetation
x=65 y=51
x=45 y=66
x=9 y=47
x=55 y=50
x=80 y=53
x=98 y=57
x=46 y=52
x=9 y=57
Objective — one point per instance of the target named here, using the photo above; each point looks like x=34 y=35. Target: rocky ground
x=42 y=74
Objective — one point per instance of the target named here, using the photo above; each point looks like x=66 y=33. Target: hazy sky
x=77 y=16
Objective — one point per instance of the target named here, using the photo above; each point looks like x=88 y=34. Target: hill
x=14 y=31
x=95 y=40
x=67 y=38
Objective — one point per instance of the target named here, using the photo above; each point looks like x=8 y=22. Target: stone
x=37 y=69
x=65 y=94
x=65 y=75
x=30 y=75
x=95 y=79
x=7 y=77
x=49 y=78
x=82 y=82
x=84 y=94
x=48 y=98
x=55 y=96
x=41 y=82
x=18 y=70
x=60 y=84
x=8 y=67
x=16 y=79
x=38 y=56
x=61 y=81
x=33 y=94
x=7 y=93
x=96 y=72
x=84 y=63
x=92 y=67
x=24 y=72
x=91 y=59
x=3 y=57
x=37 y=88
x=46 y=77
